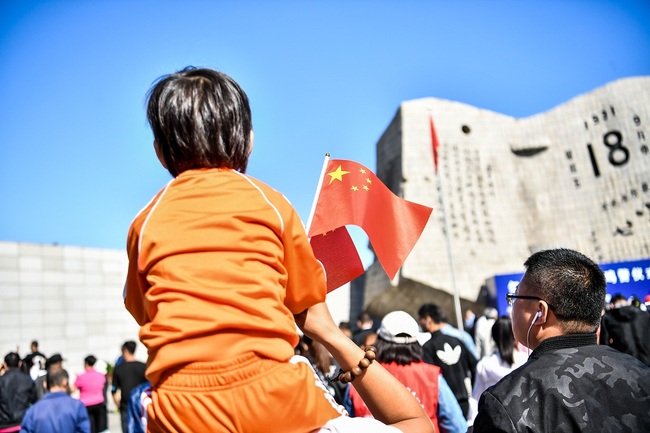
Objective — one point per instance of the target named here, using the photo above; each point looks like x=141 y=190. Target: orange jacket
x=218 y=264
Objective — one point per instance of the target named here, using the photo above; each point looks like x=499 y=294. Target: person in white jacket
x=485 y=345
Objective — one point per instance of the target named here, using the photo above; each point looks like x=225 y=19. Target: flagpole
x=318 y=188
x=443 y=201
x=459 y=315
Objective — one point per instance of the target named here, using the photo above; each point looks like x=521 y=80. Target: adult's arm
x=116 y=389
x=117 y=397
x=378 y=388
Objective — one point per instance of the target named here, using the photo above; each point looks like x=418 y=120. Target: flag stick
x=443 y=201
x=459 y=316
x=318 y=188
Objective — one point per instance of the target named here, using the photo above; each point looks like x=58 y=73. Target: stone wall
x=576 y=176
x=70 y=299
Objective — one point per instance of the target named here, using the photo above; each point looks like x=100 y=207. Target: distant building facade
x=68 y=298
x=576 y=176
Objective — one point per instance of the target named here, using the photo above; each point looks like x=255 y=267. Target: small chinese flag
x=352 y=194
x=435 y=144
x=336 y=251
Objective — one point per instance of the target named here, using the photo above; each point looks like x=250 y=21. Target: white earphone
x=537 y=316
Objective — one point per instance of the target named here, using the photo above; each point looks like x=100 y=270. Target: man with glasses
x=569 y=383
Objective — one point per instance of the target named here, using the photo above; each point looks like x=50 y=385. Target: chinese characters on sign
x=627 y=278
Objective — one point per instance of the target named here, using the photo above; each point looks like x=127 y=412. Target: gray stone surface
x=576 y=176
x=68 y=298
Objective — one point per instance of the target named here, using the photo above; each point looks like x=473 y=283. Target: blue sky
x=76 y=155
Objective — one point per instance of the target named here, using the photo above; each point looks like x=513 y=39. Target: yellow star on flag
x=337 y=174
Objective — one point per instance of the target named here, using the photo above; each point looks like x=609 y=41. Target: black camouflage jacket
x=570 y=384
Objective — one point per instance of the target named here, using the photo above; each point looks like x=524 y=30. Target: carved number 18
x=618 y=154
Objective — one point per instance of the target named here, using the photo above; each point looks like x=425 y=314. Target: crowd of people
x=505 y=389
x=542 y=369
x=38 y=395
x=434 y=361
x=450 y=359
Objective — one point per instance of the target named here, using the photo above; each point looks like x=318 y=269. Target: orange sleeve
x=306 y=284
x=136 y=284
x=134 y=299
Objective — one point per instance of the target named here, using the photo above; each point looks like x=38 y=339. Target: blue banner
x=627 y=278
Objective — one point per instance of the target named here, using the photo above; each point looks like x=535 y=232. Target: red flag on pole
x=336 y=251
x=435 y=144
x=352 y=194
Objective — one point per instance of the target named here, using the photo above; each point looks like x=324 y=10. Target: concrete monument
x=576 y=176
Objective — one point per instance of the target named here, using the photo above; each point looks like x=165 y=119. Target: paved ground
x=114 y=422
x=113 y=418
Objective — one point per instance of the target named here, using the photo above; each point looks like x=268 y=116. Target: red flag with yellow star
x=338 y=255
x=352 y=194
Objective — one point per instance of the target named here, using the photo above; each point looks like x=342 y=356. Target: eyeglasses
x=510 y=297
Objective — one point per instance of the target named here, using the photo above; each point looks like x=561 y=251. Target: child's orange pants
x=247 y=394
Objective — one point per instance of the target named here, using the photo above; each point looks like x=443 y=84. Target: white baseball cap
x=399 y=327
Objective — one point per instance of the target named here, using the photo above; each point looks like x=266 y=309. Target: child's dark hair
x=200 y=118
